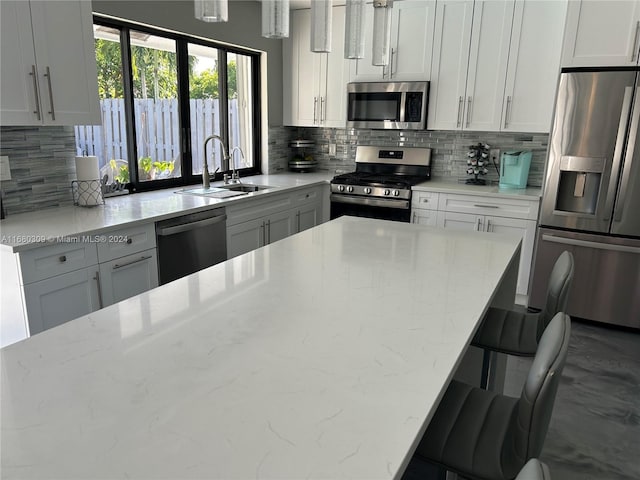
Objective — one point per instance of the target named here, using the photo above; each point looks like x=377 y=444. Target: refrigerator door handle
x=585 y=243
x=628 y=159
x=617 y=154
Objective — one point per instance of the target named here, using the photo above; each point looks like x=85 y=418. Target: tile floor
x=594 y=432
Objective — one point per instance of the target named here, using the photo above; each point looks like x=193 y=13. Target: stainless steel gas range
x=381 y=185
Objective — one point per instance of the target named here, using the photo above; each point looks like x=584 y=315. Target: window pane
x=240 y=98
x=155 y=93
x=108 y=141
x=204 y=103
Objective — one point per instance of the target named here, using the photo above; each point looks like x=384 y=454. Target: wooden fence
x=157 y=131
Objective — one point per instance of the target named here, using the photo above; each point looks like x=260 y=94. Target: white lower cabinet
x=54 y=301
x=259 y=223
x=247 y=236
x=64 y=281
x=508 y=215
x=128 y=276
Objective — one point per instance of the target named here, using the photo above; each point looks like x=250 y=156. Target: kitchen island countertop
x=323 y=355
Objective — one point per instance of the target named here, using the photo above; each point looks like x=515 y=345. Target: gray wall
x=243 y=28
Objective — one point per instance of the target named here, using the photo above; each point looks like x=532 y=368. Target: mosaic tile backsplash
x=42 y=158
x=42 y=167
x=449 y=148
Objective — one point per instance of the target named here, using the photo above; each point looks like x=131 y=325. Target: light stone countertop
x=29 y=230
x=320 y=356
x=453 y=186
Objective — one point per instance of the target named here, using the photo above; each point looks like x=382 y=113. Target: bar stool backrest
x=557 y=290
x=531 y=418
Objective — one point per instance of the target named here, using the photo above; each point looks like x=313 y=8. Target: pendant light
x=354 y=29
x=275 y=18
x=321 y=25
x=381 y=33
x=211 y=10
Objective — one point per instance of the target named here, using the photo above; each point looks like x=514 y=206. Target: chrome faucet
x=206 y=181
x=235 y=177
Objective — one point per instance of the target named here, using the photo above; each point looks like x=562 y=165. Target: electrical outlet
x=494 y=155
x=332 y=149
x=5 y=169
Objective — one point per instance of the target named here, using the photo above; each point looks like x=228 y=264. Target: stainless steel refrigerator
x=591 y=196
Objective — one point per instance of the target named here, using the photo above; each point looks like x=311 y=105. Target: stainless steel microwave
x=387 y=105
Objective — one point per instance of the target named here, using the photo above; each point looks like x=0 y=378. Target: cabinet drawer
x=126 y=241
x=302 y=197
x=424 y=200
x=499 y=207
x=57 y=259
x=258 y=208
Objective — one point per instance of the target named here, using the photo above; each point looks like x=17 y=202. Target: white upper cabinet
x=488 y=57
x=411 y=44
x=602 y=33
x=534 y=66
x=314 y=84
x=470 y=54
x=495 y=65
x=48 y=70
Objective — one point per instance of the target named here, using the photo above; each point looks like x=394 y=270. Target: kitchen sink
x=245 y=187
x=224 y=191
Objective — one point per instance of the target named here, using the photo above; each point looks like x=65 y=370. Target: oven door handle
x=370 y=202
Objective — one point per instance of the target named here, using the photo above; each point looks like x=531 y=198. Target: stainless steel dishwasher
x=190 y=243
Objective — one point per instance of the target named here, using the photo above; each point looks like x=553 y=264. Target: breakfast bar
x=323 y=355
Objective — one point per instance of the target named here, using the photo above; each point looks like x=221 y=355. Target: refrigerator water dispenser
x=514 y=169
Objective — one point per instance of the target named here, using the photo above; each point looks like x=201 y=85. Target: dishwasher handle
x=186 y=227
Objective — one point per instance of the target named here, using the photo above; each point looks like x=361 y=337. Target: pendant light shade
x=275 y=18
x=321 y=25
x=381 y=33
x=354 y=29
x=211 y=10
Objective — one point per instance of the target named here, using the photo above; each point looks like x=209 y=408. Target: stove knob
x=396 y=193
x=367 y=190
x=387 y=192
x=349 y=189
x=341 y=188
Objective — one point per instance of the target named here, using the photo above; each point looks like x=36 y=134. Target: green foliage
x=109 y=69
x=155 y=74
x=123 y=173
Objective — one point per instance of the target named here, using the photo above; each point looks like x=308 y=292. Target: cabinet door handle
x=393 y=51
x=264 y=235
x=53 y=111
x=478 y=224
x=634 y=51
x=468 y=110
x=489 y=226
x=35 y=90
x=413 y=218
x=141 y=259
x=62 y=258
x=268 y=230
x=485 y=206
x=459 y=121
x=322 y=112
x=298 y=219
x=507 y=112
x=315 y=107
x=97 y=279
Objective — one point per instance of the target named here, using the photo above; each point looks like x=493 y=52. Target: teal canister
x=514 y=169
